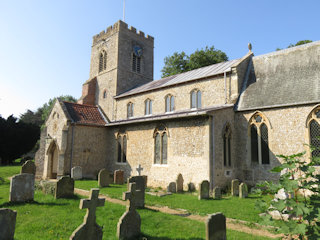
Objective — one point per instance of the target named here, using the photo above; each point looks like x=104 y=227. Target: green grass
x=8 y=171
x=49 y=218
x=231 y=207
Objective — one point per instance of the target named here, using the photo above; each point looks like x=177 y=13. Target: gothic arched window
x=314 y=132
x=259 y=142
x=195 y=99
x=169 y=102
x=148 y=107
x=130 y=109
x=122 y=148
x=227 y=146
x=160 y=145
x=102 y=61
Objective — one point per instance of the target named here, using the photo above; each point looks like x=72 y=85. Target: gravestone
x=64 y=187
x=104 y=178
x=89 y=229
x=216 y=193
x=129 y=224
x=22 y=188
x=235 y=187
x=76 y=172
x=191 y=187
x=243 y=190
x=216 y=227
x=7 y=223
x=140 y=185
x=139 y=170
x=118 y=177
x=204 y=190
x=179 y=182
x=172 y=187
x=28 y=167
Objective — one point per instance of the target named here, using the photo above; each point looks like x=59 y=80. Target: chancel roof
x=84 y=114
x=282 y=78
x=199 y=73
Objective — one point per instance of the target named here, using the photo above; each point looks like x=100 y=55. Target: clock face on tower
x=137 y=50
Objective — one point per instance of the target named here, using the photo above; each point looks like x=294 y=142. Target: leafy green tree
x=32 y=117
x=298 y=179
x=181 y=62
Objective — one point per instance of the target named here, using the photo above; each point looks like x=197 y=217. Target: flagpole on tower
x=124 y=10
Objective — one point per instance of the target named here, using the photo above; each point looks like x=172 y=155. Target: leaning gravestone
x=22 y=188
x=172 y=187
x=76 y=173
x=28 y=167
x=129 y=224
x=204 y=190
x=243 y=190
x=64 y=188
x=89 y=229
x=235 y=187
x=118 y=177
x=104 y=178
x=7 y=223
x=179 y=182
x=216 y=227
x=140 y=185
x=216 y=193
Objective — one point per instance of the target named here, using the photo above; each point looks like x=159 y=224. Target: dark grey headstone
x=64 y=188
x=7 y=223
x=28 y=167
x=22 y=188
x=216 y=227
x=104 y=178
x=191 y=187
x=179 y=182
x=235 y=187
x=118 y=177
x=216 y=193
x=172 y=187
x=140 y=185
x=76 y=173
x=204 y=190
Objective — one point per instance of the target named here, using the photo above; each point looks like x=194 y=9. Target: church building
x=217 y=123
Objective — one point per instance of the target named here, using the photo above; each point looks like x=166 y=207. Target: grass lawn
x=47 y=218
x=232 y=207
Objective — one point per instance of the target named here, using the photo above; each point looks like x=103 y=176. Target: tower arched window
x=137 y=59
x=160 y=145
x=148 y=107
x=227 y=146
x=259 y=139
x=122 y=148
x=130 y=109
x=102 y=61
x=313 y=123
x=169 y=103
x=195 y=99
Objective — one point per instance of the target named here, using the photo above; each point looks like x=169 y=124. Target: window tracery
x=160 y=145
x=122 y=148
x=313 y=123
x=195 y=98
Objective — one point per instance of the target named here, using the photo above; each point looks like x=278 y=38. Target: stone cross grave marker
x=243 y=190
x=216 y=227
x=235 y=187
x=216 y=193
x=141 y=186
x=179 y=182
x=76 y=173
x=64 y=187
x=89 y=229
x=104 y=178
x=7 y=223
x=139 y=170
x=28 y=167
x=129 y=224
x=172 y=187
x=118 y=177
x=22 y=188
x=204 y=190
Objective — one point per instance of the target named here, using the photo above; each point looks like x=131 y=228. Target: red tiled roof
x=84 y=114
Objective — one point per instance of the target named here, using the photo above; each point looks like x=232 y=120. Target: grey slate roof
x=283 y=78
x=199 y=73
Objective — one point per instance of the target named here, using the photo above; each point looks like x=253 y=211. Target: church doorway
x=53 y=161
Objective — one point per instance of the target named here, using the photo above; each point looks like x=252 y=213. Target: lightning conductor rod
x=124 y=10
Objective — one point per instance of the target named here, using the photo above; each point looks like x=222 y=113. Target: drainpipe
x=225 y=87
x=72 y=141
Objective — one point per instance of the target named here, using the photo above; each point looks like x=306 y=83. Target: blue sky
x=45 y=45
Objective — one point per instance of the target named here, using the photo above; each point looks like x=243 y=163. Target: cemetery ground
x=49 y=218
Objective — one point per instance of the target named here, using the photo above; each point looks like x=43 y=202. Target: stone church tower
x=121 y=59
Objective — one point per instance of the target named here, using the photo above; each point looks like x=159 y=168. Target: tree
x=181 y=62
x=301 y=42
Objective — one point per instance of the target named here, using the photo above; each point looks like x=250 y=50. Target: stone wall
x=40 y=154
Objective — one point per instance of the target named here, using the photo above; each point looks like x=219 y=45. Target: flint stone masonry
x=118 y=177
x=216 y=227
x=28 y=167
x=172 y=187
x=7 y=223
x=104 y=178
x=64 y=188
x=22 y=188
x=243 y=190
x=89 y=229
x=216 y=193
x=140 y=185
x=235 y=187
x=204 y=190
x=179 y=182
x=76 y=173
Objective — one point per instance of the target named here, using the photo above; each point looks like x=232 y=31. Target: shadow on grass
x=149 y=237
x=11 y=204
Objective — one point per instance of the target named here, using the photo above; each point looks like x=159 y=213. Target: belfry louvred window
x=259 y=139
x=160 y=145
x=102 y=61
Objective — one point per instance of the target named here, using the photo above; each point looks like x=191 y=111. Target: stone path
x=234 y=224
